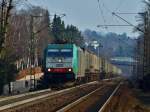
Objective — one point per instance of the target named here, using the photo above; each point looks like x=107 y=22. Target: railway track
x=96 y=101
x=9 y=101
x=36 y=101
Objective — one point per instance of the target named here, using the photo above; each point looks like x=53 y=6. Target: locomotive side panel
x=75 y=61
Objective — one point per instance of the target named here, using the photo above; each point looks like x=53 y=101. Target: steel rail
x=78 y=101
x=23 y=95
x=109 y=99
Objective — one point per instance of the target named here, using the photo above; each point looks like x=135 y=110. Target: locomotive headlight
x=69 y=69
x=59 y=60
x=49 y=70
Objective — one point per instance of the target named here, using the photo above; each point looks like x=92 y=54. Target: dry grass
x=126 y=101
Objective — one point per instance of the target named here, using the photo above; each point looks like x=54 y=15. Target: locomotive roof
x=57 y=46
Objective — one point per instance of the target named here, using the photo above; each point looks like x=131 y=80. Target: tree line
x=65 y=34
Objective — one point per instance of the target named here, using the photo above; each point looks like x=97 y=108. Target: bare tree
x=7 y=66
x=6 y=6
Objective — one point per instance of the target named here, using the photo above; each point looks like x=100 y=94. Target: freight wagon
x=68 y=62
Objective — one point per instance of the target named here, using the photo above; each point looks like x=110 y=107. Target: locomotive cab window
x=60 y=53
x=66 y=52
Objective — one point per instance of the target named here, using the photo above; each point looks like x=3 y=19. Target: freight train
x=68 y=62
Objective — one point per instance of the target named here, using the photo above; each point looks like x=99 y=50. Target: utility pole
x=31 y=55
x=146 y=57
x=33 y=51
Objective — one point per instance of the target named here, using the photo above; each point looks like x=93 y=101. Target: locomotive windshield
x=60 y=53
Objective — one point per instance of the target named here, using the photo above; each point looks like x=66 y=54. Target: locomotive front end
x=58 y=63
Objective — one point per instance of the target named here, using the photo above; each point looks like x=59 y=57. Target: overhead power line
x=113 y=13
x=127 y=13
x=111 y=25
x=119 y=17
x=101 y=11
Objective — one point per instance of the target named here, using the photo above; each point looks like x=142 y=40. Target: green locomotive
x=68 y=62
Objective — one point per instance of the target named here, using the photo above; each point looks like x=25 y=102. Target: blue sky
x=86 y=14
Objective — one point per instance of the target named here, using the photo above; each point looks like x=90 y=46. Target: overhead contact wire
x=101 y=11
